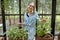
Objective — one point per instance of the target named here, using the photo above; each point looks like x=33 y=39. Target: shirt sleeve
x=36 y=19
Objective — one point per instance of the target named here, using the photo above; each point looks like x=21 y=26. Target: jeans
x=31 y=33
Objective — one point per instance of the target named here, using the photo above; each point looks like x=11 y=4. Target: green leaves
x=43 y=28
x=15 y=33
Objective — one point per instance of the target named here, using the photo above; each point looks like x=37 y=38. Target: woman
x=30 y=18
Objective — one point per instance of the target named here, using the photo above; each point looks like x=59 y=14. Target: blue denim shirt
x=31 y=20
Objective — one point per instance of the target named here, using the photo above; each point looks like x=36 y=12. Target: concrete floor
x=55 y=38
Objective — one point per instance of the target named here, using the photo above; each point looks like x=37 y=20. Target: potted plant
x=59 y=36
x=43 y=31
x=15 y=33
x=58 y=29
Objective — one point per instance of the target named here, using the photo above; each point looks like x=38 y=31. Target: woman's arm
x=20 y=24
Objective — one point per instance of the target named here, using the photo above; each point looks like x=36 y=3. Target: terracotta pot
x=59 y=36
x=10 y=39
x=43 y=38
x=17 y=39
x=39 y=38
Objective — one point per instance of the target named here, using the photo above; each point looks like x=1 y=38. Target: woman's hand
x=20 y=24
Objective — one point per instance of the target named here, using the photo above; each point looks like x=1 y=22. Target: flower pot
x=21 y=39
x=10 y=38
x=59 y=36
x=44 y=38
x=18 y=39
x=39 y=38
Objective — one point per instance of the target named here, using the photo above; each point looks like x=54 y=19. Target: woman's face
x=30 y=9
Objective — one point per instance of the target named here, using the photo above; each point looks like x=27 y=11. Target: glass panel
x=24 y=4
x=1 y=26
x=0 y=6
x=58 y=7
x=22 y=18
x=44 y=6
x=11 y=20
x=11 y=6
x=57 y=26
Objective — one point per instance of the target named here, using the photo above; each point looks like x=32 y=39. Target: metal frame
x=36 y=5
x=23 y=14
x=20 y=10
x=3 y=18
x=53 y=15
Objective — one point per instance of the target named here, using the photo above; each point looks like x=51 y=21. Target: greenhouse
x=29 y=19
